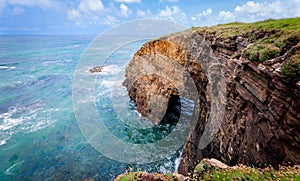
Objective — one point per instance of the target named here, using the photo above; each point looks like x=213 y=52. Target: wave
x=110 y=70
x=9 y=170
x=3 y=142
x=6 y=67
x=24 y=120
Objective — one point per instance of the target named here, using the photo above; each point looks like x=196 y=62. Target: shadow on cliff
x=168 y=123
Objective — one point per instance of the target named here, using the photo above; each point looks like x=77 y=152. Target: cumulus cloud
x=143 y=14
x=128 y=1
x=294 y=7
x=94 y=12
x=124 y=10
x=87 y=6
x=86 y=12
x=250 y=11
x=254 y=11
x=226 y=16
x=202 y=15
x=173 y=13
x=111 y=20
x=73 y=14
x=206 y=12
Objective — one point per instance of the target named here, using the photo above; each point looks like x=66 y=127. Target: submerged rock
x=96 y=69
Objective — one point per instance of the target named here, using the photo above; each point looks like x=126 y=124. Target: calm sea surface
x=39 y=136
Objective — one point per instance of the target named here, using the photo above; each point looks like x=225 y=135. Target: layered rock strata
x=258 y=107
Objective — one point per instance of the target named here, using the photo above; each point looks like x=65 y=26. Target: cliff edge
x=258 y=66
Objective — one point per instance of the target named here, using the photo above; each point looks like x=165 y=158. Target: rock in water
x=96 y=69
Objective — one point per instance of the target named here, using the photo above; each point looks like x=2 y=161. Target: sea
x=40 y=138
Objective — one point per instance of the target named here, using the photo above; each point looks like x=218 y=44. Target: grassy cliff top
x=205 y=171
x=267 y=39
x=286 y=27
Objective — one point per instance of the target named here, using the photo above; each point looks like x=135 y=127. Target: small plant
x=290 y=70
x=261 y=52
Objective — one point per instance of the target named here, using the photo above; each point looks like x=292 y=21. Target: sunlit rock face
x=152 y=95
x=261 y=122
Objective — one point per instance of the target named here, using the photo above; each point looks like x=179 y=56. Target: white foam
x=6 y=67
x=3 y=142
x=68 y=60
x=55 y=62
x=109 y=70
x=8 y=171
x=24 y=120
x=177 y=161
x=164 y=169
x=107 y=83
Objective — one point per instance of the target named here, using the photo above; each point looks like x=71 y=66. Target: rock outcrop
x=212 y=169
x=260 y=108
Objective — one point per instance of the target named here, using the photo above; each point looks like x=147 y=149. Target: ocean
x=40 y=138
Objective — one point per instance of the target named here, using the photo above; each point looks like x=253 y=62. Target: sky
x=95 y=16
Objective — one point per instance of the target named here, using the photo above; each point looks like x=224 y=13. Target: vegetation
x=268 y=39
x=208 y=172
x=204 y=171
x=144 y=176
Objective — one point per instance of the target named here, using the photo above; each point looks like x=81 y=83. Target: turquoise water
x=39 y=136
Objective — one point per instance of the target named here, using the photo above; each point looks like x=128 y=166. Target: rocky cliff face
x=258 y=106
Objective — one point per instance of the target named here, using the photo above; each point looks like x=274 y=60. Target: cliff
x=247 y=83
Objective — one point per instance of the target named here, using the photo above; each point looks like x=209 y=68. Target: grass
x=140 y=176
x=268 y=39
x=207 y=172
x=127 y=177
x=247 y=173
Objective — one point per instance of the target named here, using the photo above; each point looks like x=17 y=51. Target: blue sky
x=96 y=16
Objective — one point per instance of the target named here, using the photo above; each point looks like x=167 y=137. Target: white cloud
x=294 y=7
x=250 y=11
x=206 y=12
x=250 y=6
x=124 y=10
x=254 y=11
x=73 y=14
x=128 y=1
x=169 y=12
x=143 y=14
x=111 y=20
x=202 y=15
x=226 y=16
x=87 y=12
x=90 y=6
x=173 y=13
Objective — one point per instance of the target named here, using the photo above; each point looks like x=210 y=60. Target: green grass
x=135 y=176
x=247 y=173
x=128 y=177
x=207 y=172
x=268 y=39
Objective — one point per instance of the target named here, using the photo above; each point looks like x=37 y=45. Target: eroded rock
x=261 y=123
